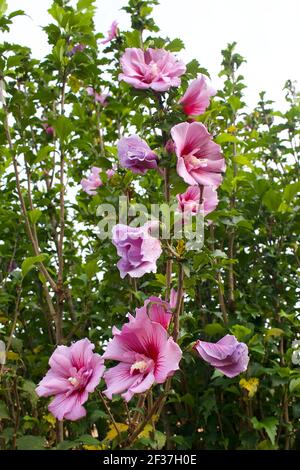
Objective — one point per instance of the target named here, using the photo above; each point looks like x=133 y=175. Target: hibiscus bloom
x=199 y=159
x=98 y=97
x=111 y=33
x=157 y=310
x=139 y=251
x=197 y=96
x=75 y=371
x=189 y=202
x=136 y=155
x=146 y=355
x=93 y=181
x=227 y=355
x=154 y=68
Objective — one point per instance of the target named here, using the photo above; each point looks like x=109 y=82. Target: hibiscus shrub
x=140 y=340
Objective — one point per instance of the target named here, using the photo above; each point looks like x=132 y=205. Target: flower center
x=74 y=381
x=140 y=366
x=194 y=162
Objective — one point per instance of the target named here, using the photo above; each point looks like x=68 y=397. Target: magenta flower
x=154 y=68
x=197 y=96
x=199 y=159
x=111 y=33
x=189 y=202
x=47 y=128
x=227 y=355
x=98 y=97
x=75 y=371
x=146 y=354
x=139 y=251
x=157 y=310
x=136 y=155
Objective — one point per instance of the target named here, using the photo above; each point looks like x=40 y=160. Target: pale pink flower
x=111 y=33
x=154 y=68
x=92 y=182
x=75 y=371
x=227 y=355
x=189 y=202
x=139 y=251
x=146 y=355
x=199 y=159
x=197 y=96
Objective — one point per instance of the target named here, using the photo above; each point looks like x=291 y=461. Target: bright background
x=267 y=33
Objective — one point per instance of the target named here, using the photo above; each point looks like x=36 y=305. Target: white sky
x=267 y=33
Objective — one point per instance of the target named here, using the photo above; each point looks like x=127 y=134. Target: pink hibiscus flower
x=197 y=96
x=75 y=371
x=199 y=159
x=146 y=355
x=154 y=68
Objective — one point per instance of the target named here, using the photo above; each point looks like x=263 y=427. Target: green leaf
x=34 y=215
x=133 y=39
x=84 y=4
x=3 y=411
x=294 y=385
x=240 y=332
x=271 y=200
x=63 y=127
x=268 y=424
x=3 y=7
x=30 y=262
x=91 y=268
x=88 y=440
x=175 y=46
x=290 y=191
x=224 y=137
x=30 y=443
x=212 y=329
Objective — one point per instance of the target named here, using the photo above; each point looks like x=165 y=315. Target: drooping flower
x=157 y=310
x=75 y=371
x=139 y=250
x=154 y=68
x=227 y=355
x=197 y=96
x=199 y=159
x=146 y=355
x=136 y=155
x=98 y=97
x=111 y=33
x=296 y=352
x=93 y=181
x=189 y=202
x=77 y=48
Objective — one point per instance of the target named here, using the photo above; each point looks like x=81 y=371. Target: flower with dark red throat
x=145 y=353
x=75 y=371
x=199 y=159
